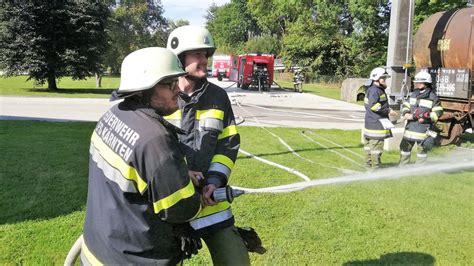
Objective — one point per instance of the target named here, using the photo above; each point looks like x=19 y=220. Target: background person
x=421 y=110
x=139 y=189
x=376 y=108
x=211 y=143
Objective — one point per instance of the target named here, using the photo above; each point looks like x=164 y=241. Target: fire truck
x=220 y=66
x=252 y=70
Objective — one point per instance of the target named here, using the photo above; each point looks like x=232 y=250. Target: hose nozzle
x=226 y=193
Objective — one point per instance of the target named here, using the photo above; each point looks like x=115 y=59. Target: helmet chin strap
x=196 y=79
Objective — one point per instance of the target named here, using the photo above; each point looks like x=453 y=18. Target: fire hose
x=229 y=193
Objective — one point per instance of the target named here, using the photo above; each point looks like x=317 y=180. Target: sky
x=190 y=10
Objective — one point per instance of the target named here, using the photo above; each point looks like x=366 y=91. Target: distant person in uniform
x=376 y=108
x=421 y=111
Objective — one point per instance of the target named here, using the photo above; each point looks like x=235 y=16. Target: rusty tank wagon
x=443 y=45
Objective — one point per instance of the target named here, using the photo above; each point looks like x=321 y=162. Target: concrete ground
x=273 y=108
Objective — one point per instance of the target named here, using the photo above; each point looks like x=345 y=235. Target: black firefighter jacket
x=376 y=108
x=138 y=188
x=421 y=104
x=211 y=144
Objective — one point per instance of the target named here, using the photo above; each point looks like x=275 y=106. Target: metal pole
x=405 y=90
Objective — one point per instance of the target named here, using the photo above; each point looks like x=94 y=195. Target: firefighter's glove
x=189 y=242
x=408 y=116
x=417 y=114
x=251 y=240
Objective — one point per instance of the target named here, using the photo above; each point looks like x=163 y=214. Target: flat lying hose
x=73 y=252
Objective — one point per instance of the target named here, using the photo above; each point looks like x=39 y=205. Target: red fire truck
x=220 y=66
x=254 y=70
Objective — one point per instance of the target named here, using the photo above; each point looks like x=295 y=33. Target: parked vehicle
x=220 y=66
x=252 y=70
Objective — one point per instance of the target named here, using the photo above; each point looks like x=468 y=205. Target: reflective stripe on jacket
x=424 y=103
x=211 y=144
x=138 y=187
x=376 y=107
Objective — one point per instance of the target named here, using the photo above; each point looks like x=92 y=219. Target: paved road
x=273 y=108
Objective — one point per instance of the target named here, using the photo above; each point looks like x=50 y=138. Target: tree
x=274 y=16
x=52 y=39
x=263 y=44
x=231 y=25
x=133 y=25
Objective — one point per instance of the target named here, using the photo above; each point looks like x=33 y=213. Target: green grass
x=421 y=220
x=332 y=91
x=19 y=86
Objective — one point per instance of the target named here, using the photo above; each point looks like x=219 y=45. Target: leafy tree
x=231 y=25
x=133 y=25
x=172 y=25
x=52 y=39
x=369 y=38
x=263 y=44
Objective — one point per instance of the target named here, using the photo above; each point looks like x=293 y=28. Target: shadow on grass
x=399 y=258
x=73 y=91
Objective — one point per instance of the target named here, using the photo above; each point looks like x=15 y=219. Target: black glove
x=251 y=240
x=189 y=243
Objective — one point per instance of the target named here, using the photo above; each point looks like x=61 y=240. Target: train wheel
x=455 y=131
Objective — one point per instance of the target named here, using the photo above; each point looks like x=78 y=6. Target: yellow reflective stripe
x=414 y=134
x=437 y=108
x=174 y=116
x=407 y=104
x=208 y=210
x=434 y=116
x=383 y=96
x=219 y=158
x=366 y=100
x=381 y=131
x=426 y=103
x=211 y=113
x=228 y=131
x=117 y=162
x=172 y=199
x=376 y=107
x=89 y=256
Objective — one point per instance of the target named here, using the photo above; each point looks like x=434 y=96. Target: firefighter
x=211 y=143
x=140 y=194
x=421 y=111
x=376 y=107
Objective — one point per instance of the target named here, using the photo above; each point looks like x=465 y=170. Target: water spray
x=229 y=193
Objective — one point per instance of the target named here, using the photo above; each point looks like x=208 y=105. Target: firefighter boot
x=368 y=160
x=421 y=158
x=405 y=151
x=368 y=157
x=404 y=157
x=376 y=155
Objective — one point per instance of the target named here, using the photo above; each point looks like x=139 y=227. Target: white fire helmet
x=187 y=38
x=144 y=68
x=378 y=73
x=422 y=77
